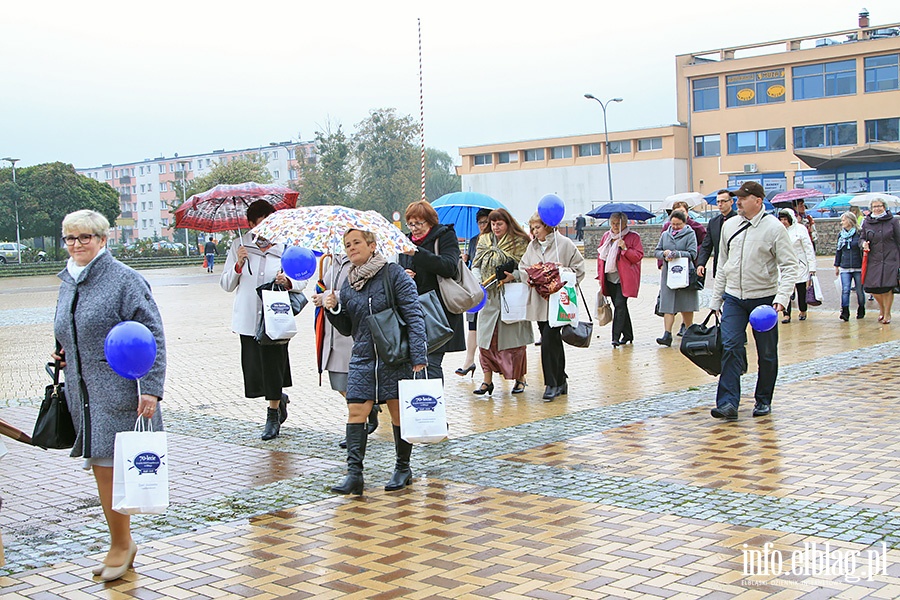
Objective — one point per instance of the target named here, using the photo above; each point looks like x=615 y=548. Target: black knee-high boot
x=356 y=453
x=402 y=476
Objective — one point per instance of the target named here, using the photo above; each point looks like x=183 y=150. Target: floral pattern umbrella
x=322 y=228
x=224 y=207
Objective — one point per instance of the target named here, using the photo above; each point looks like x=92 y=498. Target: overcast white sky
x=96 y=82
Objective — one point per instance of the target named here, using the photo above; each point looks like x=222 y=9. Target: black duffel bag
x=702 y=345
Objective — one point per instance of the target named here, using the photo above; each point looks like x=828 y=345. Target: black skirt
x=267 y=369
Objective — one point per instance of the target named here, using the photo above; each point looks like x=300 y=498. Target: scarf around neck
x=845 y=237
x=492 y=252
x=609 y=250
x=360 y=275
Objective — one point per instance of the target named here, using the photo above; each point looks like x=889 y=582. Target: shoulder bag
x=389 y=330
x=604 y=310
x=579 y=335
x=462 y=292
x=437 y=329
x=702 y=345
x=53 y=428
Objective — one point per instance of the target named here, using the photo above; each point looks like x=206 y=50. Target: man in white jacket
x=754 y=249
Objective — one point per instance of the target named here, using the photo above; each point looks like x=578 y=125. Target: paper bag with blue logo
x=423 y=412
x=279 y=319
x=141 y=471
x=563 y=305
x=679 y=274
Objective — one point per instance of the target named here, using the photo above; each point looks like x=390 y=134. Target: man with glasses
x=710 y=245
x=755 y=249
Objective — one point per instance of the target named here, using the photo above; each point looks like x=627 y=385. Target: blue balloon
x=551 y=208
x=130 y=349
x=298 y=263
x=763 y=317
x=481 y=304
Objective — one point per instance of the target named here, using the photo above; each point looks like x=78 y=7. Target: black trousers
x=553 y=356
x=621 y=323
x=801 y=299
x=267 y=369
x=434 y=369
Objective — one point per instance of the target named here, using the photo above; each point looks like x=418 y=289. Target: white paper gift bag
x=678 y=275
x=423 y=412
x=141 y=471
x=513 y=298
x=563 y=305
x=280 y=323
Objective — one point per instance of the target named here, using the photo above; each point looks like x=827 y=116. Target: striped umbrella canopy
x=224 y=207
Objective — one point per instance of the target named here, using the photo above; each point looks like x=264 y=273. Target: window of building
x=561 y=152
x=164 y=222
x=162 y=168
x=706 y=93
x=276 y=174
x=766 y=140
x=818 y=136
x=883 y=130
x=882 y=73
x=534 y=154
x=142 y=170
x=748 y=89
x=143 y=222
x=648 y=144
x=143 y=187
x=107 y=174
x=134 y=189
x=589 y=149
x=507 y=157
x=143 y=206
x=292 y=174
x=149 y=187
x=707 y=145
x=163 y=186
x=827 y=79
x=483 y=159
x=150 y=205
x=620 y=147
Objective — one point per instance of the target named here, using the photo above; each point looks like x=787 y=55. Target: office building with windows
x=147 y=192
x=818 y=111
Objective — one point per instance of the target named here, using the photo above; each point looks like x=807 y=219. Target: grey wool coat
x=369 y=378
x=108 y=293
x=685 y=299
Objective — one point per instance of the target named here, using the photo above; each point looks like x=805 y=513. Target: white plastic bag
x=141 y=471
x=562 y=306
x=513 y=298
x=839 y=286
x=423 y=412
x=280 y=323
x=817 y=288
x=678 y=275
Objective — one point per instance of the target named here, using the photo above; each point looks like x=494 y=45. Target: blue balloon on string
x=481 y=304
x=298 y=263
x=130 y=349
x=551 y=209
x=763 y=317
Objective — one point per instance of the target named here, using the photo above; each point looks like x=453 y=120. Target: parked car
x=8 y=252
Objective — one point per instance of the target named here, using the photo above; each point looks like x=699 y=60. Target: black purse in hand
x=53 y=428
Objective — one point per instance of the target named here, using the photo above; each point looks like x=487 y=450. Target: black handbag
x=702 y=345
x=389 y=331
x=437 y=328
x=579 y=335
x=53 y=428
x=695 y=282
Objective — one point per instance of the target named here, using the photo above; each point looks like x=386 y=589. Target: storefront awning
x=868 y=154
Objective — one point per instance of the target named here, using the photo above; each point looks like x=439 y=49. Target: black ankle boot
x=402 y=476
x=282 y=408
x=665 y=340
x=356 y=453
x=845 y=313
x=861 y=312
x=372 y=424
x=273 y=425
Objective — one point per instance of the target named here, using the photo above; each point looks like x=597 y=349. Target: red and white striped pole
x=422 y=109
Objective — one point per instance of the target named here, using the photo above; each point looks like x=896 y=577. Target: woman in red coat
x=619 y=271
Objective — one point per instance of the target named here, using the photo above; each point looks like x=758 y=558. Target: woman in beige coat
x=549 y=245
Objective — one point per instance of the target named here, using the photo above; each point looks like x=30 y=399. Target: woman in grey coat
x=881 y=240
x=370 y=381
x=97 y=293
x=676 y=242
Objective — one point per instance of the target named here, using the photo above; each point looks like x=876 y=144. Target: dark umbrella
x=634 y=212
x=319 y=318
x=14 y=432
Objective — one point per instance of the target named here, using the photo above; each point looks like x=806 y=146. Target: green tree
x=329 y=178
x=46 y=193
x=387 y=161
x=440 y=174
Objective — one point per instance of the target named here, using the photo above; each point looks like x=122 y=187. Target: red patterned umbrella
x=224 y=207
x=789 y=197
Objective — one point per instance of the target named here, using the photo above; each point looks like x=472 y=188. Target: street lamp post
x=187 y=243
x=13 y=161
x=603 y=105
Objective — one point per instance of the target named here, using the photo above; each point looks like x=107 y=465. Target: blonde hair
x=536 y=219
x=852 y=217
x=86 y=220
x=368 y=236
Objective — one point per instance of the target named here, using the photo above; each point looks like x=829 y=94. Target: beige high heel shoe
x=112 y=573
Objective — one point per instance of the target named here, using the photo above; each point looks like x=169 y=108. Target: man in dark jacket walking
x=210 y=250
x=710 y=246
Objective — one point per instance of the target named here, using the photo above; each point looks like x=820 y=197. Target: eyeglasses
x=84 y=238
x=416 y=224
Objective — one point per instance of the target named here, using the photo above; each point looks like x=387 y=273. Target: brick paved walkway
x=625 y=489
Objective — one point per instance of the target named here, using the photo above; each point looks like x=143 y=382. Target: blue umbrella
x=634 y=212
x=460 y=208
x=835 y=202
